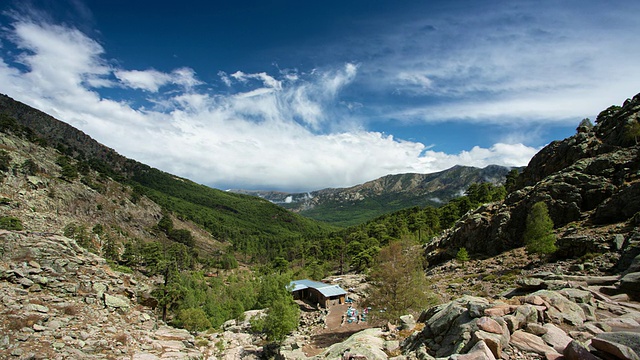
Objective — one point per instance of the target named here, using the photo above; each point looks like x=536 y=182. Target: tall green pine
x=538 y=235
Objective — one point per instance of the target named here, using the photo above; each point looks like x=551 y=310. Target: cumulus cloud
x=149 y=80
x=281 y=132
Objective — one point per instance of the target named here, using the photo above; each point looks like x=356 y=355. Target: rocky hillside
x=590 y=183
x=360 y=203
x=35 y=191
x=233 y=218
x=60 y=301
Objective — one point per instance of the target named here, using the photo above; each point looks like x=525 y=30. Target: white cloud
x=149 y=80
x=537 y=61
x=282 y=133
x=267 y=80
x=414 y=80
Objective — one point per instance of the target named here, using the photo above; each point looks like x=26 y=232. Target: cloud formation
x=308 y=129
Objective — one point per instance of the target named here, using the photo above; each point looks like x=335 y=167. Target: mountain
x=62 y=300
x=590 y=183
x=360 y=203
x=249 y=223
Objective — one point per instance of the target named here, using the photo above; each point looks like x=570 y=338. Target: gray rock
x=116 y=302
x=99 y=288
x=575 y=351
x=618 y=350
x=531 y=283
x=626 y=338
x=630 y=284
x=37 y=307
x=577 y=295
x=366 y=344
x=561 y=309
x=407 y=322
x=618 y=241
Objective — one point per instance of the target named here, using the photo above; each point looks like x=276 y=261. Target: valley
x=105 y=257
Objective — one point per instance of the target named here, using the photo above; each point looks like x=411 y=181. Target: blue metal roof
x=327 y=290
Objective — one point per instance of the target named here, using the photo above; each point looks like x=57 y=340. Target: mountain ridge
x=228 y=217
x=366 y=201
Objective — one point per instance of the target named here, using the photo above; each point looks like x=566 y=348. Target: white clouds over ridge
x=285 y=132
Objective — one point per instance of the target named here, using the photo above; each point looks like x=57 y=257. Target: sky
x=305 y=95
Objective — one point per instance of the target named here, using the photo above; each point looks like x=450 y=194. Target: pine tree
x=538 y=235
x=462 y=255
x=398 y=283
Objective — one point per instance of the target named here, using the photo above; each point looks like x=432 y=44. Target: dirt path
x=334 y=331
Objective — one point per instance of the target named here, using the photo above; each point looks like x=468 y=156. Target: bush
x=538 y=235
x=10 y=223
x=5 y=161
x=462 y=255
x=193 y=319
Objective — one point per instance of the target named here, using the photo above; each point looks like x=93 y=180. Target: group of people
x=352 y=315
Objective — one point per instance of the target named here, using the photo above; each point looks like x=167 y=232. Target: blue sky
x=301 y=95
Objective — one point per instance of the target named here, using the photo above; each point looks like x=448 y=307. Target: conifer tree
x=538 y=235
x=398 y=283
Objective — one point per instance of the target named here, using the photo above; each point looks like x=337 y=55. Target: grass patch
x=120 y=268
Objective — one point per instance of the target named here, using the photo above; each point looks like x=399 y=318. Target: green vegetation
x=356 y=247
x=279 y=244
x=10 y=223
x=346 y=213
x=462 y=255
x=257 y=229
x=80 y=234
x=283 y=313
x=5 y=161
x=538 y=235
x=633 y=131
x=398 y=282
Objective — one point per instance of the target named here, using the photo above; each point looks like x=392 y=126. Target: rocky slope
x=590 y=183
x=356 y=204
x=45 y=202
x=60 y=301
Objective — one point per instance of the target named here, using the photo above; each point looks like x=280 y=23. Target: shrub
x=5 y=161
x=193 y=319
x=538 y=235
x=10 y=223
x=462 y=255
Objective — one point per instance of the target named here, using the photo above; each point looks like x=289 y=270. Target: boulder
x=116 y=302
x=366 y=344
x=556 y=337
x=530 y=343
x=495 y=342
x=577 y=295
x=615 y=349
x=407 y=322
x=480 y=351
x=575 y=351
x=630 y=284
x=622 y=343
x=489 y=325
x=560 y=309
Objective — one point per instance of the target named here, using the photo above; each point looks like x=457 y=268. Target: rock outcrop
x=545 y=323
x=59 y=301
x=589 y=179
